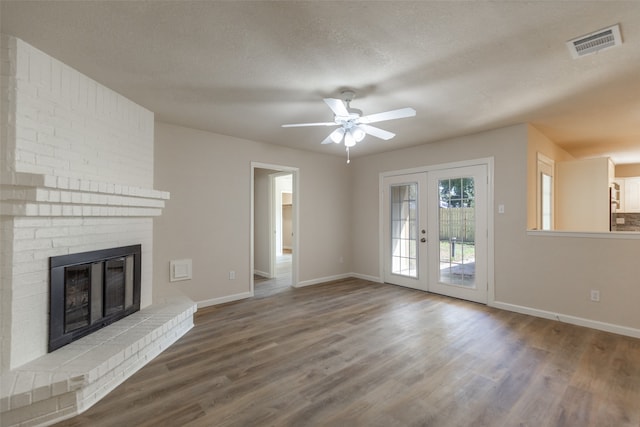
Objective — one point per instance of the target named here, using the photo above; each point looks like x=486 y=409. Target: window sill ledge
x=586 y=234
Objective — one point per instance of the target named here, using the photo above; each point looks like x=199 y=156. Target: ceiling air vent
x=596 y=41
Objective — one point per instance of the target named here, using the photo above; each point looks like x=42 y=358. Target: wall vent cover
x=595 y=42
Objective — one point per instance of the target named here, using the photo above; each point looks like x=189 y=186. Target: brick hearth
x=68 y=381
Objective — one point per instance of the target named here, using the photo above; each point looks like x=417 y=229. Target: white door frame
x=489 y=162
x=295 y=172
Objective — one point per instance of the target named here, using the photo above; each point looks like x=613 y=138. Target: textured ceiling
x=244 y=68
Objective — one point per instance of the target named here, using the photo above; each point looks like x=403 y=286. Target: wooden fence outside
x=458 y=223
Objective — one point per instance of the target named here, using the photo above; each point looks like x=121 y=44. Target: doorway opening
x=273 y=229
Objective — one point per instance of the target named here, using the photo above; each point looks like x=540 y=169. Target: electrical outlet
x=232 y=275
x=595 y=295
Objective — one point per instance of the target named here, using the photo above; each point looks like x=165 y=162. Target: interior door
x=458 y=232
x=404 y=230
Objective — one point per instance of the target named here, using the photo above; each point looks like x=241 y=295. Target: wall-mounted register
x=90 y=290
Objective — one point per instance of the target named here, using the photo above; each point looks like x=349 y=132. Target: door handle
x=423 y=239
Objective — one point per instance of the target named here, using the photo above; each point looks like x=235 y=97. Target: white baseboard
x=322 y=280
x=262 y=273
x=367 y=277
x=222 y=300
x=580 y=321
x=337 y=277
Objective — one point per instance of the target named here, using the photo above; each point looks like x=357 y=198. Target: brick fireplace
x=76 y=176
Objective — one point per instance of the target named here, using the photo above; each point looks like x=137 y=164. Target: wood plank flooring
x=357 y=353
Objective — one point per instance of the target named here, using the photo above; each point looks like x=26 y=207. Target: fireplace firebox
x=91 y=290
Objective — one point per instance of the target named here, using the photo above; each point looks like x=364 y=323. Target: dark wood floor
x=356 y=353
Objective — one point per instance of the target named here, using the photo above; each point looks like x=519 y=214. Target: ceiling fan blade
x=400 y=113
x=327 y=140
x=377 y=132
x=336 y=136
x=298 y=125
x=337 y=106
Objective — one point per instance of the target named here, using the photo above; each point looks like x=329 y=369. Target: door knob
x=423 y=240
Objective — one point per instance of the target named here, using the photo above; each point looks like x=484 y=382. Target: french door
x=458 y=232
x=405 y=246
x=435 y=231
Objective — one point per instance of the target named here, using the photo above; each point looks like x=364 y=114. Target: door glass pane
x=457 y=231
x=404 y=229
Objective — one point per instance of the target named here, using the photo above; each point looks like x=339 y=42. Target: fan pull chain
x=348 y=159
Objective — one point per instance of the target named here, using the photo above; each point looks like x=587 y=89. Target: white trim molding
x=367 y=277
x=263 y=274
x=565 y=318
x=322 y=280
x=629 y=235
x=225 y=299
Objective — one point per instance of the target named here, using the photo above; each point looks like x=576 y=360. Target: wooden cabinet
x=629 y=194
x=620 y=194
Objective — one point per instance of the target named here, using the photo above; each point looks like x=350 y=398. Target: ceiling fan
x=353 y=126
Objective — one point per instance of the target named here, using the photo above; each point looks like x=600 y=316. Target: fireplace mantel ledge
x=71 y=379
x=28 y=194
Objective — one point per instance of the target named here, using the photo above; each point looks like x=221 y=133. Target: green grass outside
x=463 y=252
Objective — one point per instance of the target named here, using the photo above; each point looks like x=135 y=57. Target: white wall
x=507 y=145
x=77 y=175
x=539 y=272
x=582 y=195
x=208 y=219
x=538 y=143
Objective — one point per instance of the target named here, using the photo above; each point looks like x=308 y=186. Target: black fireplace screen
x=76 y=299
x=91 y=290
x=114 y=286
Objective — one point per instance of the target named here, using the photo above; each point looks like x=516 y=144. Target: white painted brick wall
x=7 y=157
x=70 y=126
x=90 y=151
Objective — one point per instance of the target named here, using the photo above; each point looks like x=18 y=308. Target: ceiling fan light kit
x=349 y=140
x=337 y=135
x=353 y=125
x=358 y=133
